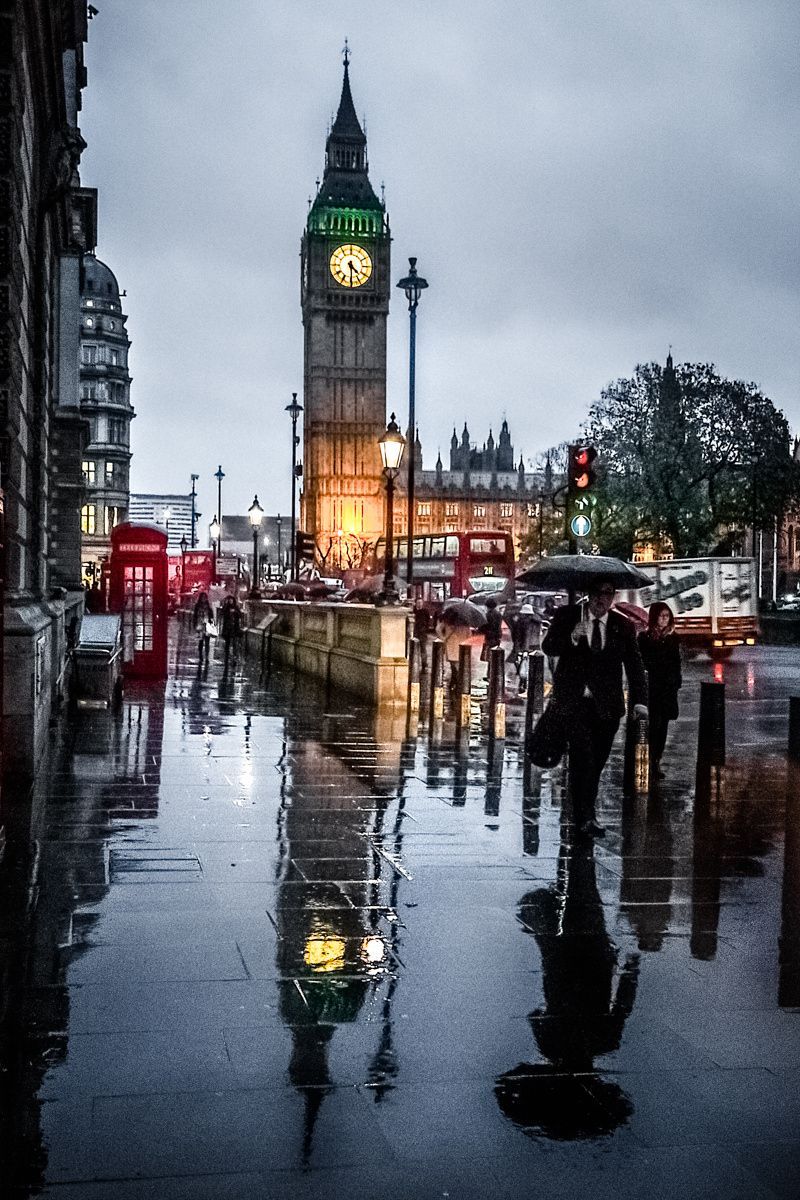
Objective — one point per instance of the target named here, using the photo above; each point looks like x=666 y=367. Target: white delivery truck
x=714 y=600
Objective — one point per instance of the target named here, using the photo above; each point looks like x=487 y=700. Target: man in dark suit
x=592 y=645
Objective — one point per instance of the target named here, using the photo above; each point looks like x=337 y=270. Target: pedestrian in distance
x=455 y=634
x=661 y=656
x=230 y=621
x=203 y=622
x=593 y=644
x=525 y=638
x=422 y=627
x=492 y=630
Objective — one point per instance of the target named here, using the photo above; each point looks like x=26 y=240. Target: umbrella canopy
x=464 y=612
x=633 y=612
x=480 y=598
x=291 y=591
x=580 y=571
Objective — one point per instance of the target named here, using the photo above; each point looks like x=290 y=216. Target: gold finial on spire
x=346 y=53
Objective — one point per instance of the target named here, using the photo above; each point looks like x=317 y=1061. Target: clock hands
x=352 y=269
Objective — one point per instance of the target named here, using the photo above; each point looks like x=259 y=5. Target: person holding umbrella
x=458 y=620
x=593 y=645
x=661 y=655
x=493 y=628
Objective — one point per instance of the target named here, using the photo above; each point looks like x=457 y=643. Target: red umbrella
x=633 y=612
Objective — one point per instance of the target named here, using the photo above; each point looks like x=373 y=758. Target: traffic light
x=581 y=478
x=304 y=546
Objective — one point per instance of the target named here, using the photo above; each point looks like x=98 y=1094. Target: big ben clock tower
x=345 y=299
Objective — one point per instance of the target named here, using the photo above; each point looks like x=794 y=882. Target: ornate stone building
x=345 y=263
x=47 y=222
x=106 y=404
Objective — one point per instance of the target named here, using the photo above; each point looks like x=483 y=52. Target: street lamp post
x=255 y=512
x=195 y=514
x=184 y=547
x=294 y=409
x=413 y=285
x=391 y=445
x=279 y=522
x=219 y=475
x=213 y=533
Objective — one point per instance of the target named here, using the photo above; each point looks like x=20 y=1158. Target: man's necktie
x=597 y=637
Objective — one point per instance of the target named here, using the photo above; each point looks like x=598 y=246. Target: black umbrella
x=464 y=612
x=580 y=571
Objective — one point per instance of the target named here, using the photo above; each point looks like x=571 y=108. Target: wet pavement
x=258 y=942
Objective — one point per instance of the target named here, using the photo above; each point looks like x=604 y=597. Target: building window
x=89 y=321
x=506 y=510
x=451 y=528
x=116 y=431
x=479 y=510
x=88 y=391
x=114 y=514
x=533 y=510
x=113 y=357
x=112 y=324
x=115 y=476
x=90 y=303
x=89 y=468
x=88 y=518
x=88 y=355
x=424 y=509
x=451 y=510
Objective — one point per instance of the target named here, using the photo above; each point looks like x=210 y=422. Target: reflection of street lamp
x=184 y=547
x=294 y=409
x=391 y=445
x=255 y=512
x=413 y=286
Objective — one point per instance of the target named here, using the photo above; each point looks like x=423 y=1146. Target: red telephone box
x=139 y=593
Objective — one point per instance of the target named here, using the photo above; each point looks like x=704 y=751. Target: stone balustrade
x=357 y=648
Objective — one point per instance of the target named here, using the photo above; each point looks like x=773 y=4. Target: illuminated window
x=450 y=528
x=479 y=510
x=89 y=321
x=533 y=510
x=89 y=469
x=88 y=518
x=506 y=510
x=423 y=510
x=113 y=516
x=451 y=510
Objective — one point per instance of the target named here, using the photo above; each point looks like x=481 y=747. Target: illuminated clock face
x=351 y=266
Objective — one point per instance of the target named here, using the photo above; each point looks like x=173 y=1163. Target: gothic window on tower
x=506 y=510
x=424 y=509
x=479 y=510
x=451 y=510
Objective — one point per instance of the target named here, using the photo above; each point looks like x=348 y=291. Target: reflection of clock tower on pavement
x=345 y=299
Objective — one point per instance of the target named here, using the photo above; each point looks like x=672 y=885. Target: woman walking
x=202 y=619
x=662 y=659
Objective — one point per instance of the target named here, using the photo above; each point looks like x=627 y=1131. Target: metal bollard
x=794 y=728
x=414 y=659
x=436 y=709
x=497 y=693
x=711 y=726
x=464 y=698
x=534 y=705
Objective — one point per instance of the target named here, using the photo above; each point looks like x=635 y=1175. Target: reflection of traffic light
x=304 y=545
x=581 y=478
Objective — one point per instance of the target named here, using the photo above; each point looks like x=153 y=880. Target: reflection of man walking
x=592 y=645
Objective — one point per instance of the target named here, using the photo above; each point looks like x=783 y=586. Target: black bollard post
x=414 y=651
x=534 y=704
x=464 y=697
x=711 y=727
x=436 y=707
x=497 y=695
x=794 y=728
x=789 y=940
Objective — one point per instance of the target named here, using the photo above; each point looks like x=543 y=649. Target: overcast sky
x=583 y=182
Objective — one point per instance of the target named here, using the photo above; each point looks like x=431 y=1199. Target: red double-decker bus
x=455 y=564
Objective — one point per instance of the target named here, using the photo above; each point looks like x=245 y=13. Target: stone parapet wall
x=355 y=647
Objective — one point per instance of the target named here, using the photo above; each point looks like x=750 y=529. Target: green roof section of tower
x=345 y=202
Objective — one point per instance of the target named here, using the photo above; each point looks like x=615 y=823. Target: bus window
x=486 y=546
x=419 y=544
x=452 y=547
x=437 y=547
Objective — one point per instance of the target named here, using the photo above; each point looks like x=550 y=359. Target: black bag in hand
x=548 y=742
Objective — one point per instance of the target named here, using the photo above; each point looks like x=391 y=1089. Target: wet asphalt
x=256 y=941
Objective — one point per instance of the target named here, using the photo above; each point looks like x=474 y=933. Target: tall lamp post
x=413 y=285
x=279 y=522
x=391 y=445
x=219 y=475
x=213 y=533
x=294 y=409
x=255 y=512
x=184 y=547
x=195 y=513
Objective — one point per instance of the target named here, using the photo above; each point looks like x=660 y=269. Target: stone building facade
x=47 y=223
x=105 y=390
x=345 y=286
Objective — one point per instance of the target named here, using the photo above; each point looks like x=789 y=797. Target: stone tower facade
x=106 y=403
x=345 y=265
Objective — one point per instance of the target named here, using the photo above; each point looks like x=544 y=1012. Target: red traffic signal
x=581 y=467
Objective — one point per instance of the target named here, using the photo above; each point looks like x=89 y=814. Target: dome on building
x=98 y=279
